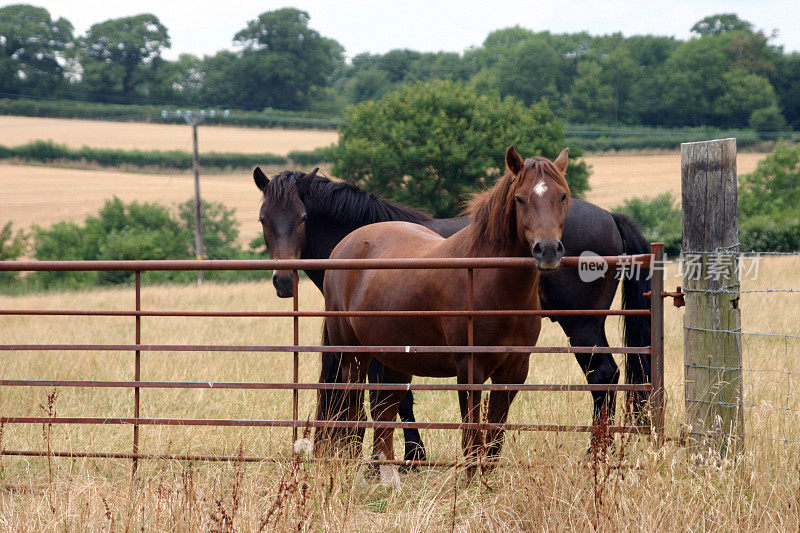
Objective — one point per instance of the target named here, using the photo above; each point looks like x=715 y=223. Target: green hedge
x=594 y=138
x=269 y=118
x=312 y=157
x=48 y=151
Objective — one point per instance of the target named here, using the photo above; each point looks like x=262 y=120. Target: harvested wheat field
x=76 y=133
x=616 y=177
x=639 y=487
x=44 y=195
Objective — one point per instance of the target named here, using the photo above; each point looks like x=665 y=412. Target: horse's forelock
x=281 y=189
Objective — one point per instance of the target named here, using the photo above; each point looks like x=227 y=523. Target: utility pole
x=195 y=121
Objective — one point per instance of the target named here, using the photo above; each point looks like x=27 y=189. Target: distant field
x=620 y=176
x=144 y=136
x=43 y=195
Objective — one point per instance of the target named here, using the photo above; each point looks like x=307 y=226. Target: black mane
x=339 y=201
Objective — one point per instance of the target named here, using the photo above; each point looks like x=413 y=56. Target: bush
x=48 y=151
x=767 y=120
x=659 y=219
x=138 y=230
x=431 y=144
x=765 y=233
x=12 y=246
x=220 y=229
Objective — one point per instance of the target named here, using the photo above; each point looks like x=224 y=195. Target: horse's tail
x=636 y=328
x=329 y=401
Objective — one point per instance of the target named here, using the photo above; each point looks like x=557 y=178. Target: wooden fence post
x=712 y=321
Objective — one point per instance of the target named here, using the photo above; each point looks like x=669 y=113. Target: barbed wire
x=740 y=369
x=727 y=290
x=738 y=331
x=726 y=435
x=733 y=249
x=742 y=404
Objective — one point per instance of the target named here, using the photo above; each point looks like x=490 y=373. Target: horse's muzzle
x=284 y=285
x=547 y=253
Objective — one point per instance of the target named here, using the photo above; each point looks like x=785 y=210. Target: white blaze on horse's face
x=542 y=198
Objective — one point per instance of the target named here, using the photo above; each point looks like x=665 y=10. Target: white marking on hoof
x=540 y=188
x=390 y=476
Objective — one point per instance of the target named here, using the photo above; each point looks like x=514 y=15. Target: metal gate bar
x=640 y=261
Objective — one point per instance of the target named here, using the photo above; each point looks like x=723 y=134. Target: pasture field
x=637 y=488
x=76 y=133
x=44 y=195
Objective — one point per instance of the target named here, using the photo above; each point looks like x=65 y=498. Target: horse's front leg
x=471 y=439
x=514 y=372
x=385 y=404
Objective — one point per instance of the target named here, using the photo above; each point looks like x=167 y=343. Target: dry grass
x=666 y=489
x=76 y=133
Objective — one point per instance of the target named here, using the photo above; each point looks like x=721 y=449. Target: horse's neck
x=522 y=281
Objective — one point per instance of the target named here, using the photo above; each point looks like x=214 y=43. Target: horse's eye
x=564 y=197
x=519 y=200
x=304 y=217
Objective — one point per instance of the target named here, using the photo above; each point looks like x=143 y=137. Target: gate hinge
x=678 y=299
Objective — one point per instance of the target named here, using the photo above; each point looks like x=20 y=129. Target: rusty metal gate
x=656 y=350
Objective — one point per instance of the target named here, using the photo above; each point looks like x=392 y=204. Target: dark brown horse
x=521 y=216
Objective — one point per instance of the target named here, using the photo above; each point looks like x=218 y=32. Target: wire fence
x=770 y=359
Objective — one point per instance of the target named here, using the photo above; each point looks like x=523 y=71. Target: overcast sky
x=204 y=27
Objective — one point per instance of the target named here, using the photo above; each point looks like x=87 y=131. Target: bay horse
x=305 y=216
x=522 y=215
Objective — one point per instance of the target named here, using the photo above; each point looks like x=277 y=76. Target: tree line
x=729 y=74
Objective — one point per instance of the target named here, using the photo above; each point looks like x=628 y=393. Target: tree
x=590 y=101
x=694 y=81
x=742 y=94
x=282 y=59
x=117 y=53
x=32 y=46
x=528 y=71
x=787 y=84
x=721 y=23
x=178 y=81
x=431 y=144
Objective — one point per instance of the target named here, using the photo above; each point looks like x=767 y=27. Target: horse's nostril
x=560 y=248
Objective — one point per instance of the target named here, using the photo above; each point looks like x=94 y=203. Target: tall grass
x=638 y=487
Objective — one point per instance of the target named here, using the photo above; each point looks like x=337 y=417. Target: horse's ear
x=260 y=178
x=562 y=160
x=514 y=162
x=304 y=181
